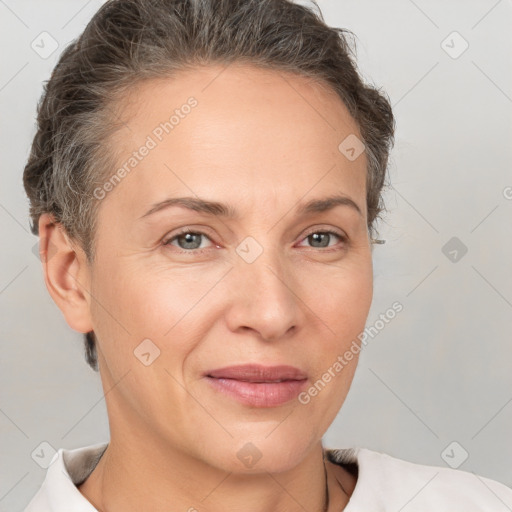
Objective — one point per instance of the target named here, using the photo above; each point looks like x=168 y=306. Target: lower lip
x=259 y=394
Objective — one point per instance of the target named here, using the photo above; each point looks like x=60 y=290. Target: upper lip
x=258 y=373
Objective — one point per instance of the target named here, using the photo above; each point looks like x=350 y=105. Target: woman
x=205 y=181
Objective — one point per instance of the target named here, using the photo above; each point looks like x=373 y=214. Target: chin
x=267 y=453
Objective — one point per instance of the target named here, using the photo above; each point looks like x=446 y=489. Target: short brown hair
x=128 y=41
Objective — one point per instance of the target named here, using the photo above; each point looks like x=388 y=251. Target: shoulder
x=388 y=483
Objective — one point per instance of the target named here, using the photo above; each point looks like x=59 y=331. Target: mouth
x=258 y=385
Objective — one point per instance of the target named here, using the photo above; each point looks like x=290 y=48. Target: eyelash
x=343 y=239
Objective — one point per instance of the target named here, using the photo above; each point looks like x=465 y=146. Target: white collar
x=68 y=468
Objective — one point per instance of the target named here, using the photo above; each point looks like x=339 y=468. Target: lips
x=256 y=385
x=258 y=373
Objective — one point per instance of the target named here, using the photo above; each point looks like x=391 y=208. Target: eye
x=321 y=238
x=187 y=240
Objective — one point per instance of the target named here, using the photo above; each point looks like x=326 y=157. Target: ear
x=66 y=273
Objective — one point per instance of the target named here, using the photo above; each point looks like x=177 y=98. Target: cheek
x=342 y=297
x=138 y=301
x=342 y=302
x=140 y=311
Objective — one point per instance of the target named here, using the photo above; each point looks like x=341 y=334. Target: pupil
x=189 y=240
x=318 y=236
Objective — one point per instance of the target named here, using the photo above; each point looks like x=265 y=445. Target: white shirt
x=384 y=483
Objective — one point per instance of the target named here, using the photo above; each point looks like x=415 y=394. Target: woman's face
x=263 y=285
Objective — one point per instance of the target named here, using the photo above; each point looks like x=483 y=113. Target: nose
x=265 y=298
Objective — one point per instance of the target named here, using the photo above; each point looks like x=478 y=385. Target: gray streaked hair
x=129 y=41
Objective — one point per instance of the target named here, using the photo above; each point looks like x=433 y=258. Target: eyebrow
x=217 y=209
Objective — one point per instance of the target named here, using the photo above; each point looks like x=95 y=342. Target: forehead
x=216 y=130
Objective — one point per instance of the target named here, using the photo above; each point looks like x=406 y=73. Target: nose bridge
x=266 y=300
x=262 y=260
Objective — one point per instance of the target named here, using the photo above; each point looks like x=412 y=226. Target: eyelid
x=325 y=229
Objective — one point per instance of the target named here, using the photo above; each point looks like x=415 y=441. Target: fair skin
x=265 y=142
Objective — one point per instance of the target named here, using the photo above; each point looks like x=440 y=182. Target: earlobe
x=66 y=273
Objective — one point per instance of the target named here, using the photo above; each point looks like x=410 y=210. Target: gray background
x=440 y=371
